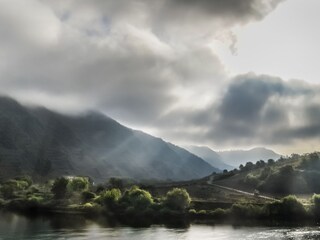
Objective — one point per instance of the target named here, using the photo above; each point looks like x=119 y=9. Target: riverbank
x=135 y=206
x=289 y=213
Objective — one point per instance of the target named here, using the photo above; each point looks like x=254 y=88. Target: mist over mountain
x=45 y=144
x=210 y=156
x=237 y=157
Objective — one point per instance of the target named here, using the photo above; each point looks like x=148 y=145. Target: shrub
x=219 y=213
x=7 y=191
x=110 y=197
x=288 y=208
x=87 y=205
x=79 y=184
x=59 y=187
x=316 y=202
x=251 y=180
x=246 y=211
x=137 y=198
x=178 y=199
x=26 y=179
x=202 y=212
x=35 y=200
x=192 y=211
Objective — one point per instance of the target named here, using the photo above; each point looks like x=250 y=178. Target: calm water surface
x=13 y=226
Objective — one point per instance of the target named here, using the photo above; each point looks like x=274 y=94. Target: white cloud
x=151 y=64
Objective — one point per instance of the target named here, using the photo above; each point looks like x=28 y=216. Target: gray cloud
x=233 y=10
x=254 y=110
x=265 y=110
x=149 y=64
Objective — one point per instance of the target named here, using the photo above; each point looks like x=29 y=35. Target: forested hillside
x=45 y=144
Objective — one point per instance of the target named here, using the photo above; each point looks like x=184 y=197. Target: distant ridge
x=233 y=158
x=210 y=156
x=237 y=157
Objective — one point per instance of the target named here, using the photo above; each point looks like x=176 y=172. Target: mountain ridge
x=40 y=142
x=233 y=158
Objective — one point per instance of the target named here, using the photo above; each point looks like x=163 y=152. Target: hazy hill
x=210 y=156
x=237 y=157
x=46 y=144
x=292 y=175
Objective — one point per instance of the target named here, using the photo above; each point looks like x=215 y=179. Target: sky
x=227 y=74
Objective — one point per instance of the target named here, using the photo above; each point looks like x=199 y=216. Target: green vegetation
x=296 y=174
x=78 y=195
x=59 y=187
x=144 y=205
x=178 y=199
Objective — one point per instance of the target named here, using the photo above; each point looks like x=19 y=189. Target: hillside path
x=239 y=191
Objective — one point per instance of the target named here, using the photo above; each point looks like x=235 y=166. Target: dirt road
x=239 y=191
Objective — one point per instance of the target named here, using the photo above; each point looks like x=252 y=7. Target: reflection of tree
x=67 y=221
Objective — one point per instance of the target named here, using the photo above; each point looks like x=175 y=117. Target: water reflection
x=13 y=226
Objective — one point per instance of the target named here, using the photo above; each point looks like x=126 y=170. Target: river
x=13 y=226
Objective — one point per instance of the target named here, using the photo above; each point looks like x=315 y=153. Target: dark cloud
x=254 y=110
x=233 y=10
x=266 y=110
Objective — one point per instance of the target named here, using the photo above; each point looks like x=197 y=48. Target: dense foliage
x=134 y=205
x=295 y=174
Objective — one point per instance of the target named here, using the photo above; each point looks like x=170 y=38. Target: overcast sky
x=228 y=74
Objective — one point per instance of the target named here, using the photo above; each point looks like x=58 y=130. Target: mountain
x=46 y=144
x=210 y=156
x=296 y=174
x=237 y=157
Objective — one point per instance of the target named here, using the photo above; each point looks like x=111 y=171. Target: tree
x=79 y=184
x=137 y=198
x=249 y=166
x=288 y=208
x=271 y=161
x=59 y=187
x=316 y=202
x=110 y=197
x=260 y=163
x=178 y=199
x=7 y=191
x=241 y=167
x=116 y=183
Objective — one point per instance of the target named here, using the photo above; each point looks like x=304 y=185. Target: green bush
x=137 y=198
x=35 y=199
x=79 y=184
x=26 y=179
x=288 y=208
x=178 y=199
x=109 y=198
x=219 y=213
x=251 y=181
x=192 y=211
x=316 y=208
x=59 y=187
x=7 y=191
x=17 y=185
x=202 y=212
x=285 y=181
x=246 y=211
